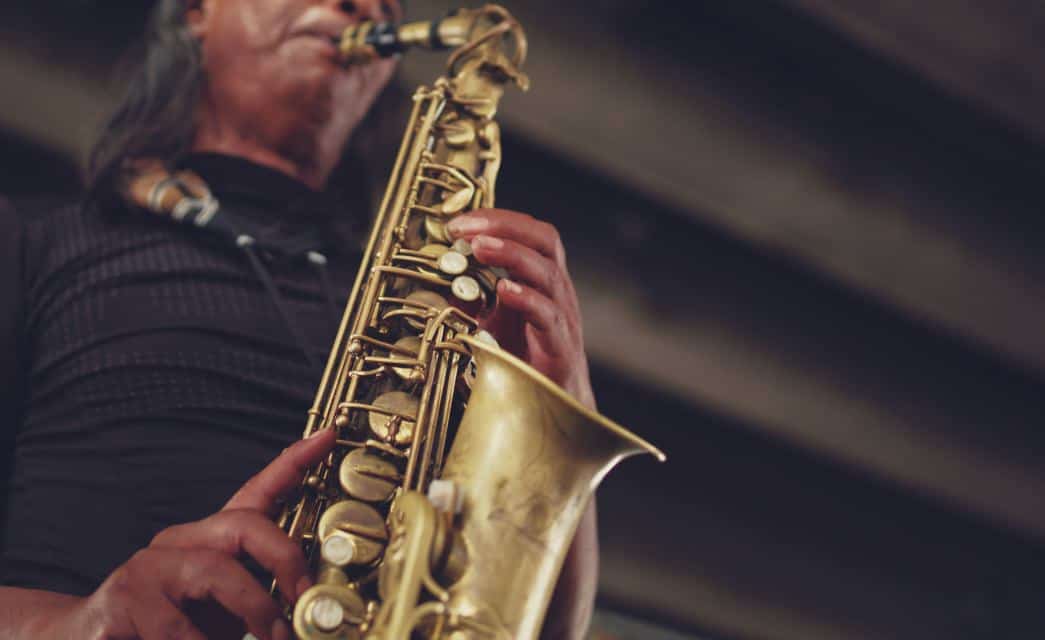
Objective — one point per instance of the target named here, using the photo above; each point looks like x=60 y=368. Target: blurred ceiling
x=806 y=237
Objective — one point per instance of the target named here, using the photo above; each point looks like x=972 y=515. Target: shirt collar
x=262 y=192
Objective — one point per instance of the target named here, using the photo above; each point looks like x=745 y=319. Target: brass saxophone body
x=460 y=473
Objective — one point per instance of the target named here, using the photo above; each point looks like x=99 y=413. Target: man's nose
x=369 y=9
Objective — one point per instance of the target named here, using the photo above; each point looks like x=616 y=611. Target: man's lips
x=321 y=37
x=323 y=25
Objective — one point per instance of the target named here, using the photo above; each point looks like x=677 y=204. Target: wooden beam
x=742 y=536
x=836 y=405
x=990 y=52
x=46 y=102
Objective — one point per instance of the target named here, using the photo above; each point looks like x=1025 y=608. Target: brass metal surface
x=460 y=473
x=368 y=476
x=393 y=417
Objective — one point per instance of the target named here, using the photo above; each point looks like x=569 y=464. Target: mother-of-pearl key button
x=327 y=614
x=453 y=263
x=338 y=549
x=465 y=288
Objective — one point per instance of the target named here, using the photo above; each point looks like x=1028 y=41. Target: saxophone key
x=428 y=264
x=367 y=476
x=462 y=246
x=328 y=614
x=436 y=230
x=338 y=550
x=487 y=277
x=407 y=345
x=356 y=523
x=453 y=263
x=433 y=250
x=425 y=303
x=466 y=288
x=329 y=611
x=392 y=418
x=458 y=200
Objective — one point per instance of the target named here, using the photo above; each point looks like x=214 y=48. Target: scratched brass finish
x=460 y=473
x=527 y=458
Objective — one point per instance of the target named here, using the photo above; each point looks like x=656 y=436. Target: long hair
x=156 y=116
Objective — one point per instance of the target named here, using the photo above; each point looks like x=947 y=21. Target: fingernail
x=281 y=630
x=315 y=434
x=487 y=242
x=510 y=286
x=461 y=226
x=303 y=585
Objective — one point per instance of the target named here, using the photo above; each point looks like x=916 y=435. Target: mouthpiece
x=366 y=41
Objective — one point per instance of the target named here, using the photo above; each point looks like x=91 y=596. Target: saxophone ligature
x=460 y=473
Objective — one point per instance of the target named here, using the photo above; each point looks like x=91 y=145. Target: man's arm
x=30 y=613
x=153 y=594
x=24 y=613
x=42 y=615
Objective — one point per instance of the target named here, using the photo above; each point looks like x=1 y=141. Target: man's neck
x=310 y=161
x=306 y=174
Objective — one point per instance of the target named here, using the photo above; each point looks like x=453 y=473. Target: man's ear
x=197 y=14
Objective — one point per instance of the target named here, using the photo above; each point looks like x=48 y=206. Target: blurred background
x=806 y=235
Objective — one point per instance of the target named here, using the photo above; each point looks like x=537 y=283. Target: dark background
x=806 y=238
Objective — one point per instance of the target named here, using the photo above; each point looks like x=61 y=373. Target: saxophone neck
x=489 y=34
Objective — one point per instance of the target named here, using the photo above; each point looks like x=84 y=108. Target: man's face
x=272 y=72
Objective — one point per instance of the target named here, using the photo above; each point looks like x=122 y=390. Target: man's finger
x=283 y=475
x=550 y=321
x=238 y=531
x=510 y=225
x=523 y=264
x=155 y=616
x=209 y=575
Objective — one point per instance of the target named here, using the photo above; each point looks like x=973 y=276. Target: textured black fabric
x=12 y=369
x=160 y=373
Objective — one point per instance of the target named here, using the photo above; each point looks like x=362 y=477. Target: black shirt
x=160 y=373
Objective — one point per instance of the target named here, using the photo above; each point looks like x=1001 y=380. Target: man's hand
x=537 y=317
x=192 y=568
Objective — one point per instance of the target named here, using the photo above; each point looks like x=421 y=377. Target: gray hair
x=156 y=115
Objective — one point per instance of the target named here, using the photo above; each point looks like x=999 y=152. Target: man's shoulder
x=61 y=234
x=62 y=220
x=36 y=204
x=40 y=209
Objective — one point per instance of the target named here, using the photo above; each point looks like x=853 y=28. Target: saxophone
x=460 y=473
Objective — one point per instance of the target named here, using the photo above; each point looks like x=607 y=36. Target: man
x=165 y=365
